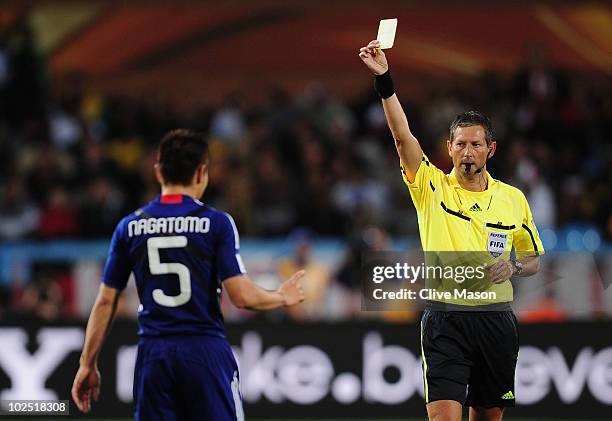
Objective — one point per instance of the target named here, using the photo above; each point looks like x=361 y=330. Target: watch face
x=519 y=267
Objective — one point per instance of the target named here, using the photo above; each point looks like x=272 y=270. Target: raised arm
x=407 y=145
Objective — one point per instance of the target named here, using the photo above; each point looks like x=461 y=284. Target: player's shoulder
x=220 y=220
x=122 y=226
x=212 y=212
x=139 y=213
x=227 y=222
x=223 y=223
x=510 y=190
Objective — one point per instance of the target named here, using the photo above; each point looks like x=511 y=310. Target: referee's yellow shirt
x=492 y=222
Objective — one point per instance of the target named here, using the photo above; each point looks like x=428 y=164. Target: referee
x=469 y=348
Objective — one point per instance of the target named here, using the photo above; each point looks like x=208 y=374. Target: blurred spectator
x=228 y=123
x=58 y=219
x=328 y=115
x=538 y=192
x=19 y=218
x=275 y=212
x=65 y=129
x=368 y=240
x=94 y=162
x=103 y=207
x=355 y=194
x=42 y=299
x=538 y=89
x=315 y=281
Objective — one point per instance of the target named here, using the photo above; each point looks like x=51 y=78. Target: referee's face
x=468 y=149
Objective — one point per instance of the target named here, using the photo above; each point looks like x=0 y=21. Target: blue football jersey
x=180 y=251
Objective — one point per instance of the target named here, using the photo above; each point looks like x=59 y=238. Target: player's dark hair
x=472 y=118
x=181 y=152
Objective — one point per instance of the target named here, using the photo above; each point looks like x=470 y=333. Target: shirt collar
x=452 y=178
x=171 y=199
x=176 y=199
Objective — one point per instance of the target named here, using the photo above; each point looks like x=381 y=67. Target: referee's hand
x=501 y=271
x=374 y=58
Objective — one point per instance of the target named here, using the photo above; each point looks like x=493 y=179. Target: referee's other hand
x=501 y=271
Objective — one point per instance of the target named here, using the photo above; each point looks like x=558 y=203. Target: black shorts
x=469 y=357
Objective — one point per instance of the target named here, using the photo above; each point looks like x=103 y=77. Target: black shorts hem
x=491 y=405
x=444 y=399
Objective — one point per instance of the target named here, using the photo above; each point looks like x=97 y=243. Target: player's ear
x=158 y=175
x=200 y=173
x=205 y=175
x=449 y=146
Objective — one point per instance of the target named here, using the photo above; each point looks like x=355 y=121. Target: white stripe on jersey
x=237 y=398
x=236 y=237
x=240 y=263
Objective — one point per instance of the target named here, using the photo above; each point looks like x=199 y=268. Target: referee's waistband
x=442 y=306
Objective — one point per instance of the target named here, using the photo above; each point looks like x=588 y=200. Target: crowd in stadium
x=73 y=161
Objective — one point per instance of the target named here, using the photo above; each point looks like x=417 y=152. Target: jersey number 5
x=158 y=268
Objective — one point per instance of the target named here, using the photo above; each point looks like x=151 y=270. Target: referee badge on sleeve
x=496 y=243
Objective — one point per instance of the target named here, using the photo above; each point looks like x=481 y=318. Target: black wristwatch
x=518 y=266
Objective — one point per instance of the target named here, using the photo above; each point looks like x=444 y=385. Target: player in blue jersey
x=182 y=253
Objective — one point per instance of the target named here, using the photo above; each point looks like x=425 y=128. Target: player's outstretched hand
x=86 y=385
x=374 y=58
x=292 y=290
